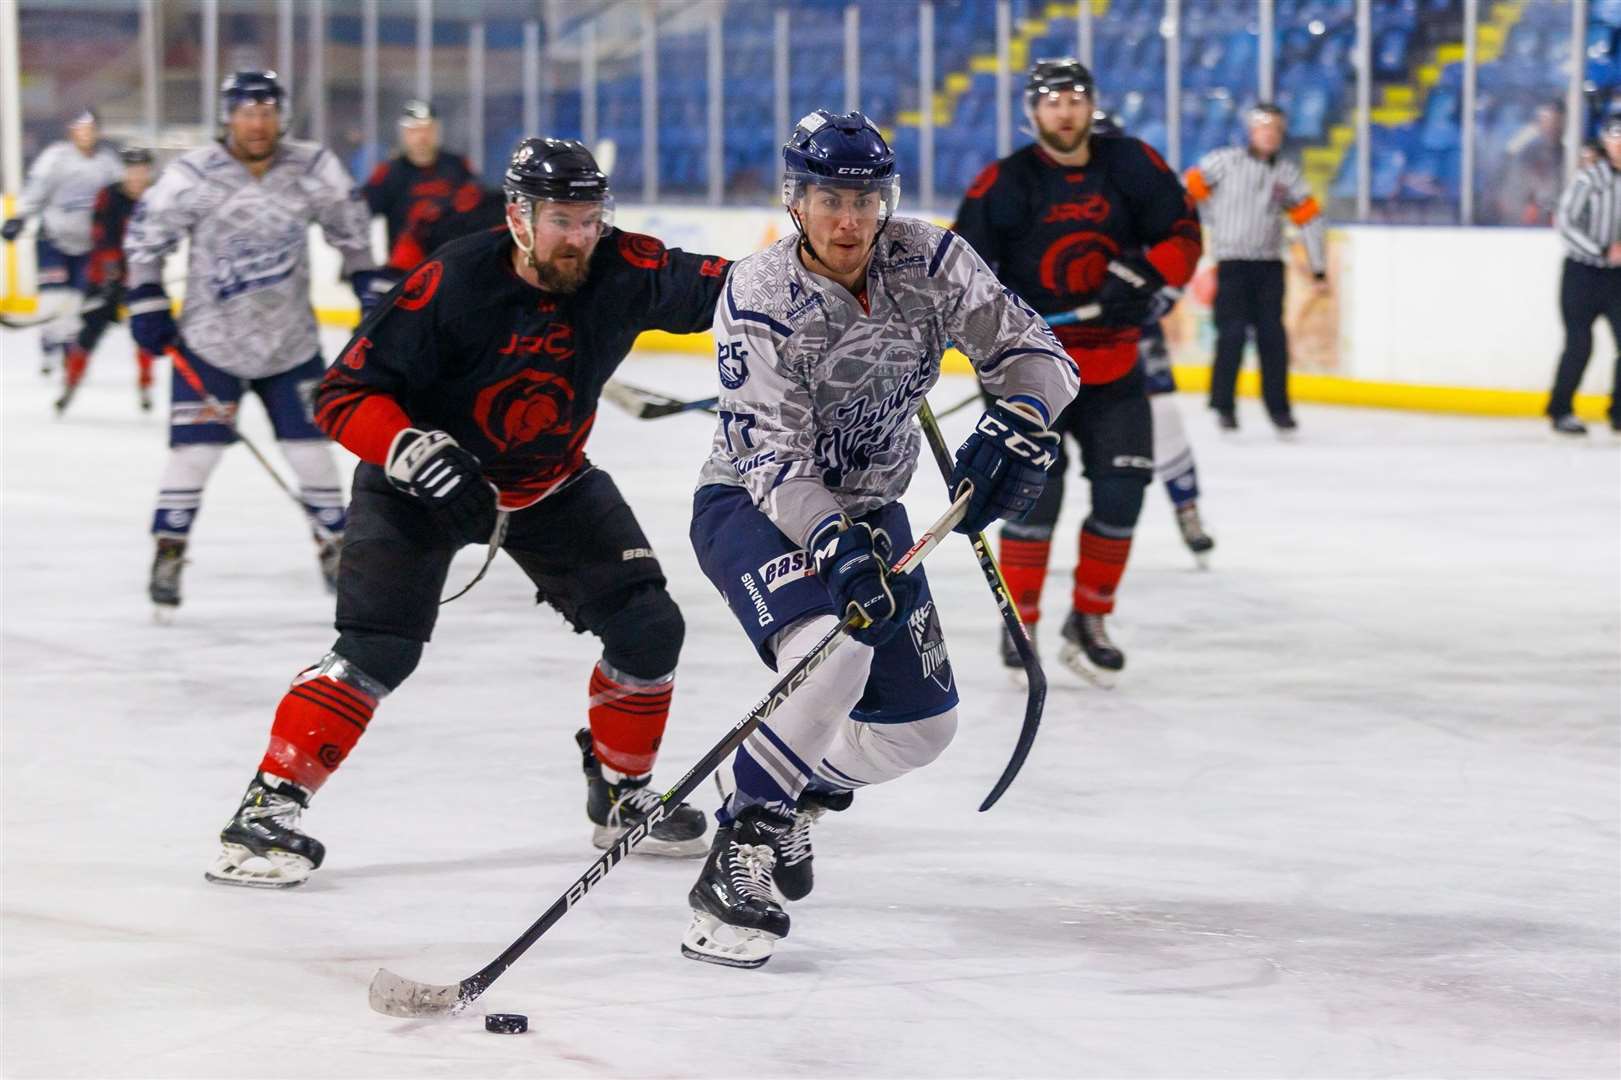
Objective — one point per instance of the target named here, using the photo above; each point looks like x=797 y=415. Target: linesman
x=1246 y=192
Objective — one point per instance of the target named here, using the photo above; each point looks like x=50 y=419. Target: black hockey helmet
x=135 y=155
x=1053 y=75
x=559 y=170
x=1106 y=125
x=1610 y=126
x=417 y=111
x=244 y=86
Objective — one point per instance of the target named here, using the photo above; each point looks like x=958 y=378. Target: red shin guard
x=1024 y=568
x=143 y=368
x=74 y=363
x=317 y=723
x=1097 y=575
x=627 y=721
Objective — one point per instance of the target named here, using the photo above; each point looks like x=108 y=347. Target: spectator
x=1529 y=189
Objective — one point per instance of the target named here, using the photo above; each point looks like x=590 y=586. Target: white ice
x=1354 y=810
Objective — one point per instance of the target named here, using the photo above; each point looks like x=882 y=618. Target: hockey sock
x=863 y=753
x=320 y=718
x=1102 y=564
x=1173 y=457
x=627 y=720
x=143 y=369
x=1024 y=567
x=180 y=492
x=318 y=488
x=73 y=365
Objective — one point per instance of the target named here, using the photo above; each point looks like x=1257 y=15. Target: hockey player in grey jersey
x=246 y=203
x=61 y=191
x=827 y=343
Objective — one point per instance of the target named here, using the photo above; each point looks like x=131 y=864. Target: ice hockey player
x=61 y=191
x=468 y=395
x=1173 y=454
x=245 y=202
x=421 y=178
x=105 y=277
x=472 y=209
x=827 y=343
x=1086 y=229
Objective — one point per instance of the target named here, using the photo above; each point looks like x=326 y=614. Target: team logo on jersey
x=643 y=252
x=1093 y=208
x=420 y=286
x=865 y=428
x=930 y=643
x=1076 y=262
x=985 y=180
x=786 y=569
x=522 y=408
x=248 y=263
x=355 y=355
x=732 y=358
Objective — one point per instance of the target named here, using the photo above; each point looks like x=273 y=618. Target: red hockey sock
x=143 y=368
x=317 y=723
x=1097 y=575
x=627 y=719
x=1024 y=568
x=74 y=363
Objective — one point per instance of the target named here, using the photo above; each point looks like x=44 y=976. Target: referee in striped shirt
x=1589 y=222
x=1247 y=192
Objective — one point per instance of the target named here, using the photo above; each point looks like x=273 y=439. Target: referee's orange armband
x=1196 y=185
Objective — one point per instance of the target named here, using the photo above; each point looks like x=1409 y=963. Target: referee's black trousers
x=1249 y=292
x=1585 y=293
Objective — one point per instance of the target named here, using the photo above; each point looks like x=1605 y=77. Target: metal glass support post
x=531 y=78
x=852 y=58
x=925 y=104
x=376 y=147
x=208 y=75
x=1171 y=28
x=588 y=83
x=317 y=81
x=424 y=87
x=1364 y=104
x=11 y=117
x=1466 y=163
x=151 y=71
x=1004 y=81
x=284 y=45
x=715 y=144
x=1266 y=21
x=475 y=93
x=1573 y=92
x=650 y=103
x=779 y=82
x=1083 y=32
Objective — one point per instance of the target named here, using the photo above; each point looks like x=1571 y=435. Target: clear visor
x=873 y=200
x=551 y=221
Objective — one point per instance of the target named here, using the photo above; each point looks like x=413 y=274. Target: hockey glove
x=1006 y=460
x=433 y=467
x=1162 y=303
x=1127 y=294
x=151 y=322
x=852 y=561
x=371 y=286
x=12 y=228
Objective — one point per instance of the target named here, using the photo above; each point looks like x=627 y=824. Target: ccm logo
x=851 y=170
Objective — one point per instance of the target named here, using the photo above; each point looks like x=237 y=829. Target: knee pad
x=180 y=492
x=385 y=659
x=641 y=632
x=1117 y=497
x=865 y=753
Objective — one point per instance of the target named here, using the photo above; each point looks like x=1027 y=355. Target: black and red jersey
x=512 y=372
x=1049 y=231
x=112 y=211
x=403 y=193
x=472 y=209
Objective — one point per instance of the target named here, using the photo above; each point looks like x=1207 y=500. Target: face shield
x=553 y=224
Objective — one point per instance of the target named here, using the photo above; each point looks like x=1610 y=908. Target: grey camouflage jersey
x=818 y=397
x=61 y=189
x=247 y=307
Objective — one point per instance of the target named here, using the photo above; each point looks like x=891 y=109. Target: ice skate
x=792 y=872
x=143 y=396
x=736 y=920
x=1088 y=652
x=61 y=403
x=613 y=808
x=262 y=845
x=327 y=552
x=1227 y=421
x=1285 y=425
x=1568 y=427
x=1193 y=534
x=1012 y=662
x=164 y=588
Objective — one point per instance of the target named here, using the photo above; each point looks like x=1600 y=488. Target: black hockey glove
x=151 y=321
x=1006 y=459
x=434 y=468
x=1163 y=301
x=12 y=228
x=1127 y=293
x=852 y=561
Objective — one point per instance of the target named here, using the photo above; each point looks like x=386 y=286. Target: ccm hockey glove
x=1006 y=459
x=852 y=561
x=433 y=468
x=151 y=321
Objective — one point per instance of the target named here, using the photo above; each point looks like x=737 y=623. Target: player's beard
x=1060 y=145
x=556 y=279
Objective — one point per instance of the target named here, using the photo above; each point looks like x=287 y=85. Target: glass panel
x=683 y=111
x=619 y=95
x=74 y=56
x=1523 y=73
x=752 y=143
x=1220 y=73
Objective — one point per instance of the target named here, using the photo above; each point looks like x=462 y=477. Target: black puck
x=506 y=1023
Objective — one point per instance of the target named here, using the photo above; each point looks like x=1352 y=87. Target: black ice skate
x=327 y=553
x=1012 y=662
x=144 y=396
x=1193 y=534
x=792 y=872
x=1568 y=425
x=164 y=588
x=613 y=808
x=1087 y=650
x=736 y=920
x=61 y=404
x=1286 y=427
x=1226 y=420
x=263 y=847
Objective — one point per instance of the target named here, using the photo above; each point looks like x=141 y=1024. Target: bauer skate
x=164 y=587
x=1193 y=534
x=262 y=845
x=736 y=921
x=1088 y=652
x=792 y=872
x=614 y=807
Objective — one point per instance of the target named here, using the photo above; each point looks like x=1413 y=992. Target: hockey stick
x=959 y=407
x=1084 y=313
x=649 y=404
x=17 y=322
x=1035 y=700
x=394 y=995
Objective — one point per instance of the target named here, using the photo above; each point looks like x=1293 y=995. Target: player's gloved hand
x=151 y=321
x=1006 y=459
x=370 y=287
x=11 y=229
x=1162 y=302
x=852 y=561
x=433 y=467
x=1127 y=292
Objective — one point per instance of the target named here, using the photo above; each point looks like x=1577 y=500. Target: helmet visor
x=865 y=199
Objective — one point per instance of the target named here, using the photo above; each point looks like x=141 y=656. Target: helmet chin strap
x=527 y=246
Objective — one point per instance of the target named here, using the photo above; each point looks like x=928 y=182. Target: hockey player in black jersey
x=422 y=178
x=469 y=395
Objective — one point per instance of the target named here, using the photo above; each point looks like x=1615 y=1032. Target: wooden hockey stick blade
x=395 y=995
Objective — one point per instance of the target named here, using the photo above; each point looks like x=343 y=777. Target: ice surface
x=1355 y=809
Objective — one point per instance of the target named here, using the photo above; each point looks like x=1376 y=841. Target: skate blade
x=1075 y=659
x=1018 y=678
x=714 y=942
x=164 y=614
x=1201 y=559
x=603 y=837
x=240 y=867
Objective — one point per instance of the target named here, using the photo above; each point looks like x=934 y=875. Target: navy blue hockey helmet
x=241 y=87
x=135 y=155
x=845 y=151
